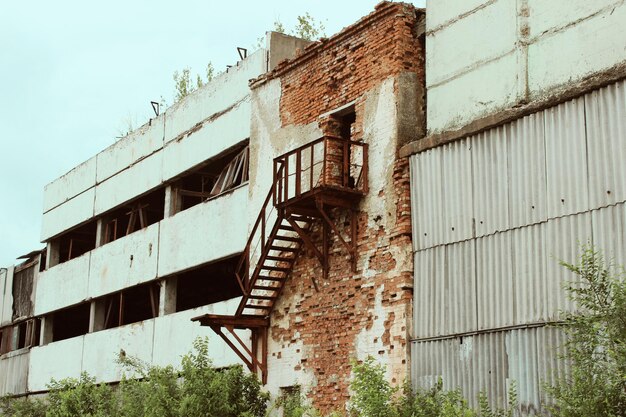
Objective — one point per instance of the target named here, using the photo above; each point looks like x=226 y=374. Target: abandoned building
x=402 y=189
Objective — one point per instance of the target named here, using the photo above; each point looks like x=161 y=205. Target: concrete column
x=46 y=330
x=52 y=254
x=96 y=316
x=172 y=201
x=167 y=296
x=99 y=232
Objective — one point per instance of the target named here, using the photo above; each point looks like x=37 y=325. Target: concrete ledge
x=556 y=96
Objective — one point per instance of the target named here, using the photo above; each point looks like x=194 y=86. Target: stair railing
x=257 y=241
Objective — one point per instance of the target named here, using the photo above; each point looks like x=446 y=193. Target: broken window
x=134 y=216
x=71 y=322
x=131 y=305
x=76 y=242
x=23 y=290
x=207 y=284
x=215 y=177
x=19 y=336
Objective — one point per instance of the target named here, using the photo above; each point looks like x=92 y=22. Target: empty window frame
x=217 y=176
x=134 y=216
x=70 y=322
x=132 y=305
x=76 y=242
x=207 y=285
x=20 y=336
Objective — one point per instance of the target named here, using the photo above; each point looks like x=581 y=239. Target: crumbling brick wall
x=316 y=334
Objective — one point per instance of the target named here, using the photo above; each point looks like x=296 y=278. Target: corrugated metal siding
x=527 y=171
x=427 y=198
x=605 y=112
x=566 y=158
x=529 y=261
x=609 y=232
x=457 y=191
x=490 y=362
x=564 y=237
x=490 y=188
x=14 y=374
x=494 y=278
x=445 y=290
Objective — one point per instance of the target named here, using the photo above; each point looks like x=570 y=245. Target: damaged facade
x=307 y=211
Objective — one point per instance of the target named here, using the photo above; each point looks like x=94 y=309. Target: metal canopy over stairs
x=328 y=173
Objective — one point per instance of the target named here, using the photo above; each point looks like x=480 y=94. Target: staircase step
x=284 y=249
x=262 y=297
x=267 y=278
x=265 y=288
x=287 y=238
x=285 y=227
x=303 y=219
x=275 y=268
x=279 y=258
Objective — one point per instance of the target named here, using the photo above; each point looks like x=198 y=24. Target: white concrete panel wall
x=489 y=55
x=124 y=262
x=211 y=139
x=6 y=288
x=161 y=341
x=137 y=145
x=130 y=183
x=64 y=285
x=55 y=360
x=69 y=185
x=73 y=212
x=220 y=94
x=206 y=232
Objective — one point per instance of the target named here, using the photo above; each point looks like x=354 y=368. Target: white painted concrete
x=69 y=185
x=63 y=285
x=130 y=183
x=179 y=327
x=161 y=341
x=221 y=93
x=206 y=232
x=469 y=42
x=127 y=151
x=490 y=55
x=211 y=139
x=64 y=217
x=56 y=360
x=577 y=51
x=125 y=262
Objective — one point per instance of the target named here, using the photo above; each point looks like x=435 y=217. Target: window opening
x=132 y=305
x=71 y=322
x=77 y=242
x=215 y=177
x=207 y=285
x=134 y=216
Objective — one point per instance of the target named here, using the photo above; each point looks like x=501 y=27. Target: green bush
x=596 y=346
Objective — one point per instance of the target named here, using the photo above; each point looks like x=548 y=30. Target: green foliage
x=22 y=407
x=372 y=393
x=293 y=404
x=307 y=27
x=596 y=347
x=183 y=84
x=434 y=402
x=197 y=390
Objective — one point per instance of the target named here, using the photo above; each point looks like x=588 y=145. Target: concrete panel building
x=268 y=211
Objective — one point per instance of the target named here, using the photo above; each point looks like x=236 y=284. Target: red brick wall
x=339 y=70
x=372 y=306
x=328 y=322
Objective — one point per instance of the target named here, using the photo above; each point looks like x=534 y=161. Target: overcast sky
x=74 y=73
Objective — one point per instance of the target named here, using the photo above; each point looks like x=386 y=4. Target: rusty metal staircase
x=307 y=182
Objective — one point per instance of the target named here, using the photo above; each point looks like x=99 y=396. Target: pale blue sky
x=73 y=72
